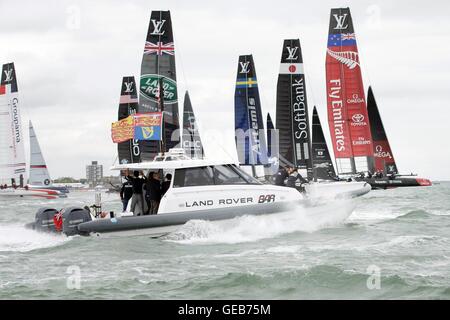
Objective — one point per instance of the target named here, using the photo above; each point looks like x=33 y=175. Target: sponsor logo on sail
x=380 y=153
x=16 y=122
x=149 y=88
x=340 y=21
x=355 y=99
x=157 y=27
x=8 y=75
x=361 y=142
x=244 y=67
x=338 y=117
x=254 y=133
x=128 y=87
x=292 y=53
x=358 y=120
x=300 y=117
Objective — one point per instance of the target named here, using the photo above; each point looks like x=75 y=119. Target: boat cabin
x=199 y=184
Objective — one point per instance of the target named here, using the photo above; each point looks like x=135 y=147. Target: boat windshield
x=211 y=175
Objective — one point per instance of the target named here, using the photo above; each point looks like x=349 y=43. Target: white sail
x=39 y=175
x=12 y=150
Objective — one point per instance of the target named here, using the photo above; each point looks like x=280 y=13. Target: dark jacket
x=165 y=186
x=127 y=190
x=137 y=183
x=279 y=177
x=295 y=180
x=153 y=188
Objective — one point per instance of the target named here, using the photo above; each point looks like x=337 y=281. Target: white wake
x=18 y=238
x=253 y=228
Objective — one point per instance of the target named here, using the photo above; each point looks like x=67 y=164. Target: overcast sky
x=70 y=57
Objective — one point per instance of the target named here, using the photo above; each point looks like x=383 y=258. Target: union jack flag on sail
x=159 y=48
x=348 y=36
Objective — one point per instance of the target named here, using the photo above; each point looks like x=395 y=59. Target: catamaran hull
x=337 y=189
x=6 y=194
x=387 y=183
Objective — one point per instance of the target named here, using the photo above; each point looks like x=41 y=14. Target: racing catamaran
x=12 y=150
x=192 y=143
x=248 y=122
x=359 y=140
x=386 y=172
x=39 y=176
x=292 y=123
x=128 y=151
x=158 y=66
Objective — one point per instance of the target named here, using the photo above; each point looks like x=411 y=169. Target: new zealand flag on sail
x=341 y=39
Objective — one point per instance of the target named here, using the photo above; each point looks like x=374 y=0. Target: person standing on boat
x=137 y=201
x=295 y=179
x=126 y=192
x=166 y=184
x=153 y=195
x=281 y=176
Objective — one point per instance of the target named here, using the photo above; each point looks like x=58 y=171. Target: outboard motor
x=44 y=220
x=72 y=217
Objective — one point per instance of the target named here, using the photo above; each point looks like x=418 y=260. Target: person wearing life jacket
x=280 y=176
x=295 y=179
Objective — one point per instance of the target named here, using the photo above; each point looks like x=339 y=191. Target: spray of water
x=18 y=238
x=253 y=228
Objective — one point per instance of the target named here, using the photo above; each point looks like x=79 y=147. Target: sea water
x=388 y=244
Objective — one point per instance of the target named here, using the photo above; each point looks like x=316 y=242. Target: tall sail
x=292 y=109
x=384 y=158
x=12 y=150
x=272 y=145
x=128 y=151
x=347 y=112
x=322 y=164
x=39 y=175
x=158 y=66
x=248 y=124
x=270 y=131
x=191 y=136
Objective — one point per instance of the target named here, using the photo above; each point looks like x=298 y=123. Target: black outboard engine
x=72 y=217
x=43 y=220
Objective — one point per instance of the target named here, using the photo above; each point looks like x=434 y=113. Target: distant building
x=94 y=173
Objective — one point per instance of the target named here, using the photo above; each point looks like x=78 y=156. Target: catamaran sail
x=12 y=150
x=322 y=164
x=384 y=159
x=192 y=143
x=128 y=151
x=347 y=112
x=248 y=124
x=292 y=109
x=158 y=66
x=39 y=175
x=272 y=146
